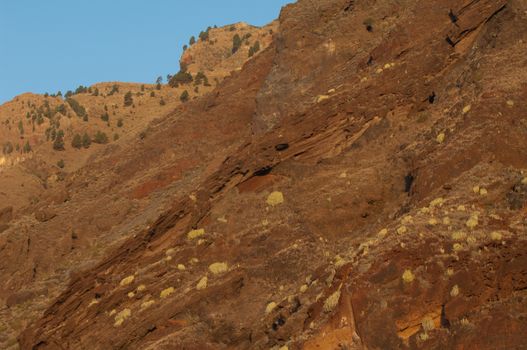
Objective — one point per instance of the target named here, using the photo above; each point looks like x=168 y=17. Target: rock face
x=275 y=212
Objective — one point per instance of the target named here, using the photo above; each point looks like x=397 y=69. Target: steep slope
x=361 y=184
x=104 y=194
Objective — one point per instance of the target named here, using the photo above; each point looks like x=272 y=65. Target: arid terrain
x=359 y=181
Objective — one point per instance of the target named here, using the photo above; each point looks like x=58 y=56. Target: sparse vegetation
x=100 y=138
x=27 y=147
x=113 y=90
x=128 y=99
x=184 y=96
x=76 y=142
x=7 y=148
x=120 y=123
x=181 y=77
x=162 y=102
x=236 y=43
x=86 y=140
x=254 y=49
x=195 y=233
x=275 y=198
x=61 y=164
x=77 y=107
x=218 y=267
x=58 y=143
x=192 y=41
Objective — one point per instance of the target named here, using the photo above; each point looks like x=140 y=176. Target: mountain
x=359 y=183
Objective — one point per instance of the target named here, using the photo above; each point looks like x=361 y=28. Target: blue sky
x=46 y=46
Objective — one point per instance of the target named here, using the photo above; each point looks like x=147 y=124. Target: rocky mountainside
x=48 y=179
x=359 y=184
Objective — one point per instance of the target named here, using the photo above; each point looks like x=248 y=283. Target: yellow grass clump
x=147 y=304
x=401 y=230
x=408 y=276
x=195 y=233
x=270 y=307
x=496 y=236
x=121 y=316
x=218 y=267
x=202 y=284
x=165 y=293
x=275 y=198
x=454 y=291
x=127 y=280
x=332 y=301
x=472 y=221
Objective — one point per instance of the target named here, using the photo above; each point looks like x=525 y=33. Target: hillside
x=360 y=183
x=36 y=189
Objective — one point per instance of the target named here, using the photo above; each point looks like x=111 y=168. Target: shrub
x=27 y=147
x=21 y=127
x=184 y=96
x=128 y=99
x=236 y=43
x=58 y=144
x=218 y=267
x=86 y=141
x=60 y=163
x=185 y=47
x=254 y=49
x=162 y=102
x=8 y=148
x=152 y=94
x=77 y=141
x=95 y=92
x=181 y=77
x=105 y=117
x=100 y=138
x=232 y=28
x=158 y=86
x=115 y=137
x=192 y=40
x=204 y=35
x=113 y=90
x=81 y=89
x=368 y=23
x=76 y=106
x=120 y=123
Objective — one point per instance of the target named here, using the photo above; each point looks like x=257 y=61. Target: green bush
x=114 y=89
x=21 y=127
x=184 y=96
x=27 y=147
x=236 y=43
x=86 y=141
x=182 y=77
x=100 y=138
x=58 y=144
x=128 y=99
x=254 y=49
x=81 y=89
x=77 y=141
x=76 y=106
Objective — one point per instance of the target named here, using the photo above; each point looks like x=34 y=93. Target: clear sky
x=47 y=46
